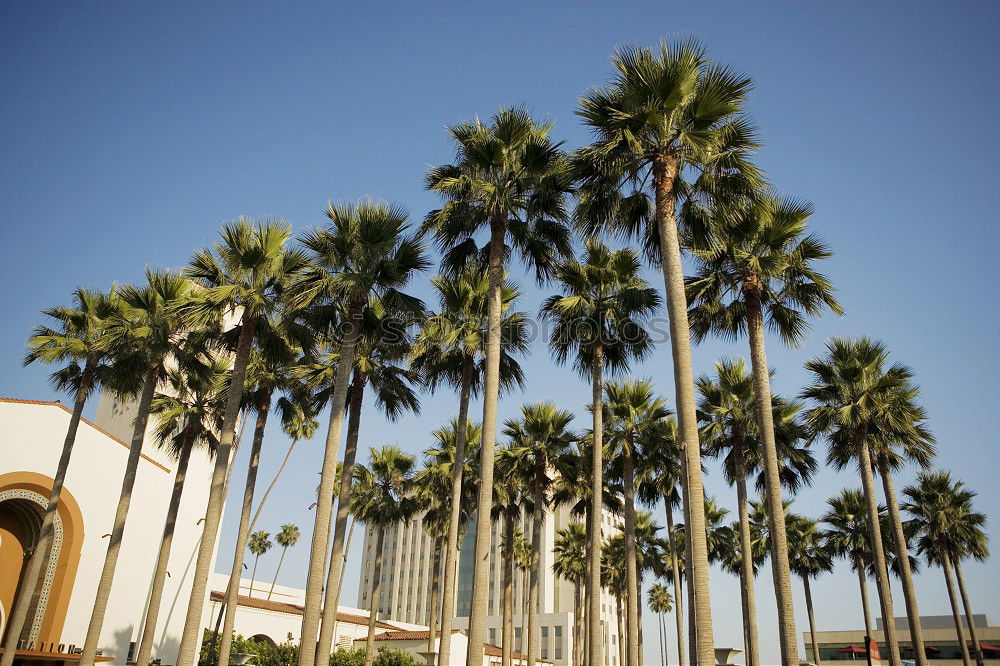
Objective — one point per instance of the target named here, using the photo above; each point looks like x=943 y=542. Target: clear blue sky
x=128 y=132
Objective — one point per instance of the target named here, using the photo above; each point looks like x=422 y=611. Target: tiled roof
x=296 y=609
x=46 y=403
x=488 y=648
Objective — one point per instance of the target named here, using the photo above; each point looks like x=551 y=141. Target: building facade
x=407 y=572
x=940 y=640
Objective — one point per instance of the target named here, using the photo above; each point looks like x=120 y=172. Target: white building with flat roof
x=407 y=565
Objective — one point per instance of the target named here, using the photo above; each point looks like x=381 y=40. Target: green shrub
x=387 y=657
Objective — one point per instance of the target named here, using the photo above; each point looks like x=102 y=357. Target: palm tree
x=759 y=269
x=969 y=541
x=189 y=416
x=382 y=496
x=858 y=402
x=942 y=514
x=366 y=251
x=632 y=410
x=666 y=115
x=808 y=557
x=728 y=413
x=247 y=274
x=286 y=538
x=848 y=536
x=661 y=602
x=509 y=177
x=599 y=318
x=537 y=440
x=510 y=498
x=378 y=355
x=569 y=561
x=75 y=338
x=523 y=558
x=451 y=348
x=659 y=473
x=271 y=358
x=260 y=543
x=891 y=450
x=433 y=485
x=614 y=578
x=141 y=337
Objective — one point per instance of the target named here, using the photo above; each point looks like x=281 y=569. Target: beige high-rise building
x=407 y=563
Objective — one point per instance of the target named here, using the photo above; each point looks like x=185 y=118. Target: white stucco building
x=407 y=565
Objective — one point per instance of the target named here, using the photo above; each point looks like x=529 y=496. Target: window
x=493 y=635
x=545 y=642
x=558 y=642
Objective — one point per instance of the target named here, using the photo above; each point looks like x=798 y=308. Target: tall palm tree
x=247 y=273
x=286 y=538
x=730 y=428
x=857 y=405
x=660 y=472
x=509 y=177
x=942 y=513
x=433 y=484
x=614 y=578
x=891 y=450
x=366 y=251
x=510 y=499
x=523 y=558
x=451 y=348
x=142 y=336
x=848 y=536
x=969 y=540
x=661 y=602
x=569 y=561
x=75 y=338
x=668 y=127
x=188 y=418
x=382 y=496
x=271 y=358
x=808 y=557
x=632 y=411
x=756 y=270
x=599 y=318
x=260 y=543
x=537 y=440
x=378 y=369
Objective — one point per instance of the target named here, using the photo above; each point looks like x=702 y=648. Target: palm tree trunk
x=376 y=591
x=973 y=634
x=906 y=576
x=536 y=549
x=491 y=392
x=253 y=577
x=29 y=580
x=595 y=649
x=577 y=623
x=812 y=621
x=324 y=503
x=523 y=648
x=631 y=560
x=343 y=565
x=163 y=556
x=331 y=599
x=692 y=623
x=191 y=635
x=746 y=563
x=274 y=482
x=107 y=578
x=432 y=613
x=507 y=630
x=585 y=624
x=675 y=572
x=950 y=584
x=621 y=630
x=281 y=560
x=881 y=573
x=451 y=554
x=859 y=565
x=243 y=533
x=664 y=175
x=781 y=574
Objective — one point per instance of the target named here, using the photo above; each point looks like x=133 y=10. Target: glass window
x=493 y=635
x=545 y=642
x=558 y=642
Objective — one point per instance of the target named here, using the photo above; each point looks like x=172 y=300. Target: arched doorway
x=23 y=498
